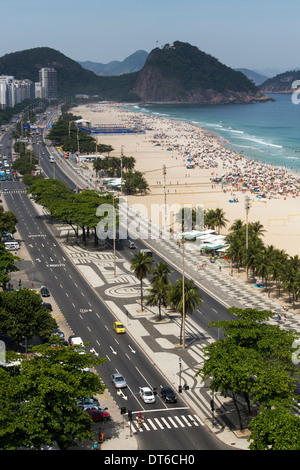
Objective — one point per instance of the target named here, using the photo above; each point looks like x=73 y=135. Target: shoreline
x=171 y=142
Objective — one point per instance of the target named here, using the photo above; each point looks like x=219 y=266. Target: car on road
x=45 y=292
x=98 y=415
x=118 y=381
x=118 y=327
x=147 y=395
x=132 y=245
x=168 y=395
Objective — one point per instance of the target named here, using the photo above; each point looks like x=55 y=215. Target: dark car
x=98 y=415
x=168 y=395
x=45 y=292
x=47 y=306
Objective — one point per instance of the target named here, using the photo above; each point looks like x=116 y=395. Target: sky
x=256 y=34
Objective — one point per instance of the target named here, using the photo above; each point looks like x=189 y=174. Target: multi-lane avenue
x=172 y=426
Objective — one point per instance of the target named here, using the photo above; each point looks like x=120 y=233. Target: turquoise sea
x=269 y=132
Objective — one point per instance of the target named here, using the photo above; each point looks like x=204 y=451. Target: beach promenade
x=229 y=290
x=154 y=337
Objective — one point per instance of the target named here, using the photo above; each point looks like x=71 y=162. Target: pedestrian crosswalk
x=167 y=422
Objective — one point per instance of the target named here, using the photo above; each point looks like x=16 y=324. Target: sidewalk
x=160 y=340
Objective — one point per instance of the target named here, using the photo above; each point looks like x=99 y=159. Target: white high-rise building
x=7 y=91
x=14 y=91
x=48 y=81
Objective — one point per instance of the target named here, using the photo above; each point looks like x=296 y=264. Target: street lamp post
x=180 y=388
x=247 y=207
x=114 y=233
x=183 y=298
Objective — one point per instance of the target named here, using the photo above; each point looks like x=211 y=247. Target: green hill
x=71 y=77
x=182 y=73
x=282 y=83
x=176 y=73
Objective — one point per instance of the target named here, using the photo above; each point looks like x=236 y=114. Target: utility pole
x=121 y=168
x=165 y=192
x=183 y=298
x=247 y=208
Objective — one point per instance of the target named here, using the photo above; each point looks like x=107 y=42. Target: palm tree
x=291 y=282
x=220 y=220
x=161 y=271
x=236 y=248
x=256 y=227
x=158 y=294
x=278 y=266
x=209 y=219
x=160 y=285
x=262 y=265
x=237 y=225
x=141 y=265
x=255 y=246
x=186 y=305
x=184 y=218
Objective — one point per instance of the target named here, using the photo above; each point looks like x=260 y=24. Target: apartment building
x=14 y=91
x=48 y=83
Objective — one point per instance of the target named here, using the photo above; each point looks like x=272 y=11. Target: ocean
x=268 y=132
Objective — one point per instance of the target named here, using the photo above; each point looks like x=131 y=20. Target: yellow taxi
x=118 y=327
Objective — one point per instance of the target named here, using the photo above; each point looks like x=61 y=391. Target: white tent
x=188 y=235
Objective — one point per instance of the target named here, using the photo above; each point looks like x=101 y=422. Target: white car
x=118 y=381
x=147 y=395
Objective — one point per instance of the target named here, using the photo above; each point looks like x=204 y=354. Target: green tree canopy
x=38 y=398
x=22 y=315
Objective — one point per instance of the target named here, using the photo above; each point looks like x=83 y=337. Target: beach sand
x=169 y=142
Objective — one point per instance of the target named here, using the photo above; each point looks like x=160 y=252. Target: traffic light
x=130 y=415
x=123 y=410
x=180 y=389
x=212 y=405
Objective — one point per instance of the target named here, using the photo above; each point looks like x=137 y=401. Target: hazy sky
x=256 y=34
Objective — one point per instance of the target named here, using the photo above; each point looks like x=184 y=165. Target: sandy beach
x=194 y=159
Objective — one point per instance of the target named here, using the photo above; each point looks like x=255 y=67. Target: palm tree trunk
x=142 y=295
x=181 y=330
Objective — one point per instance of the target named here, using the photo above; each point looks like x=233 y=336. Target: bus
x=2 y=175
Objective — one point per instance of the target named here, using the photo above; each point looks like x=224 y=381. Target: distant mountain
x=27 y=63
x=255 y=77
x=71 y=77
x=269 y=73
x=133 y=63
x=181 y=73
x=281 y=83
x=176 y=73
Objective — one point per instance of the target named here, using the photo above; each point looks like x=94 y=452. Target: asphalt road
x=90 y=318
